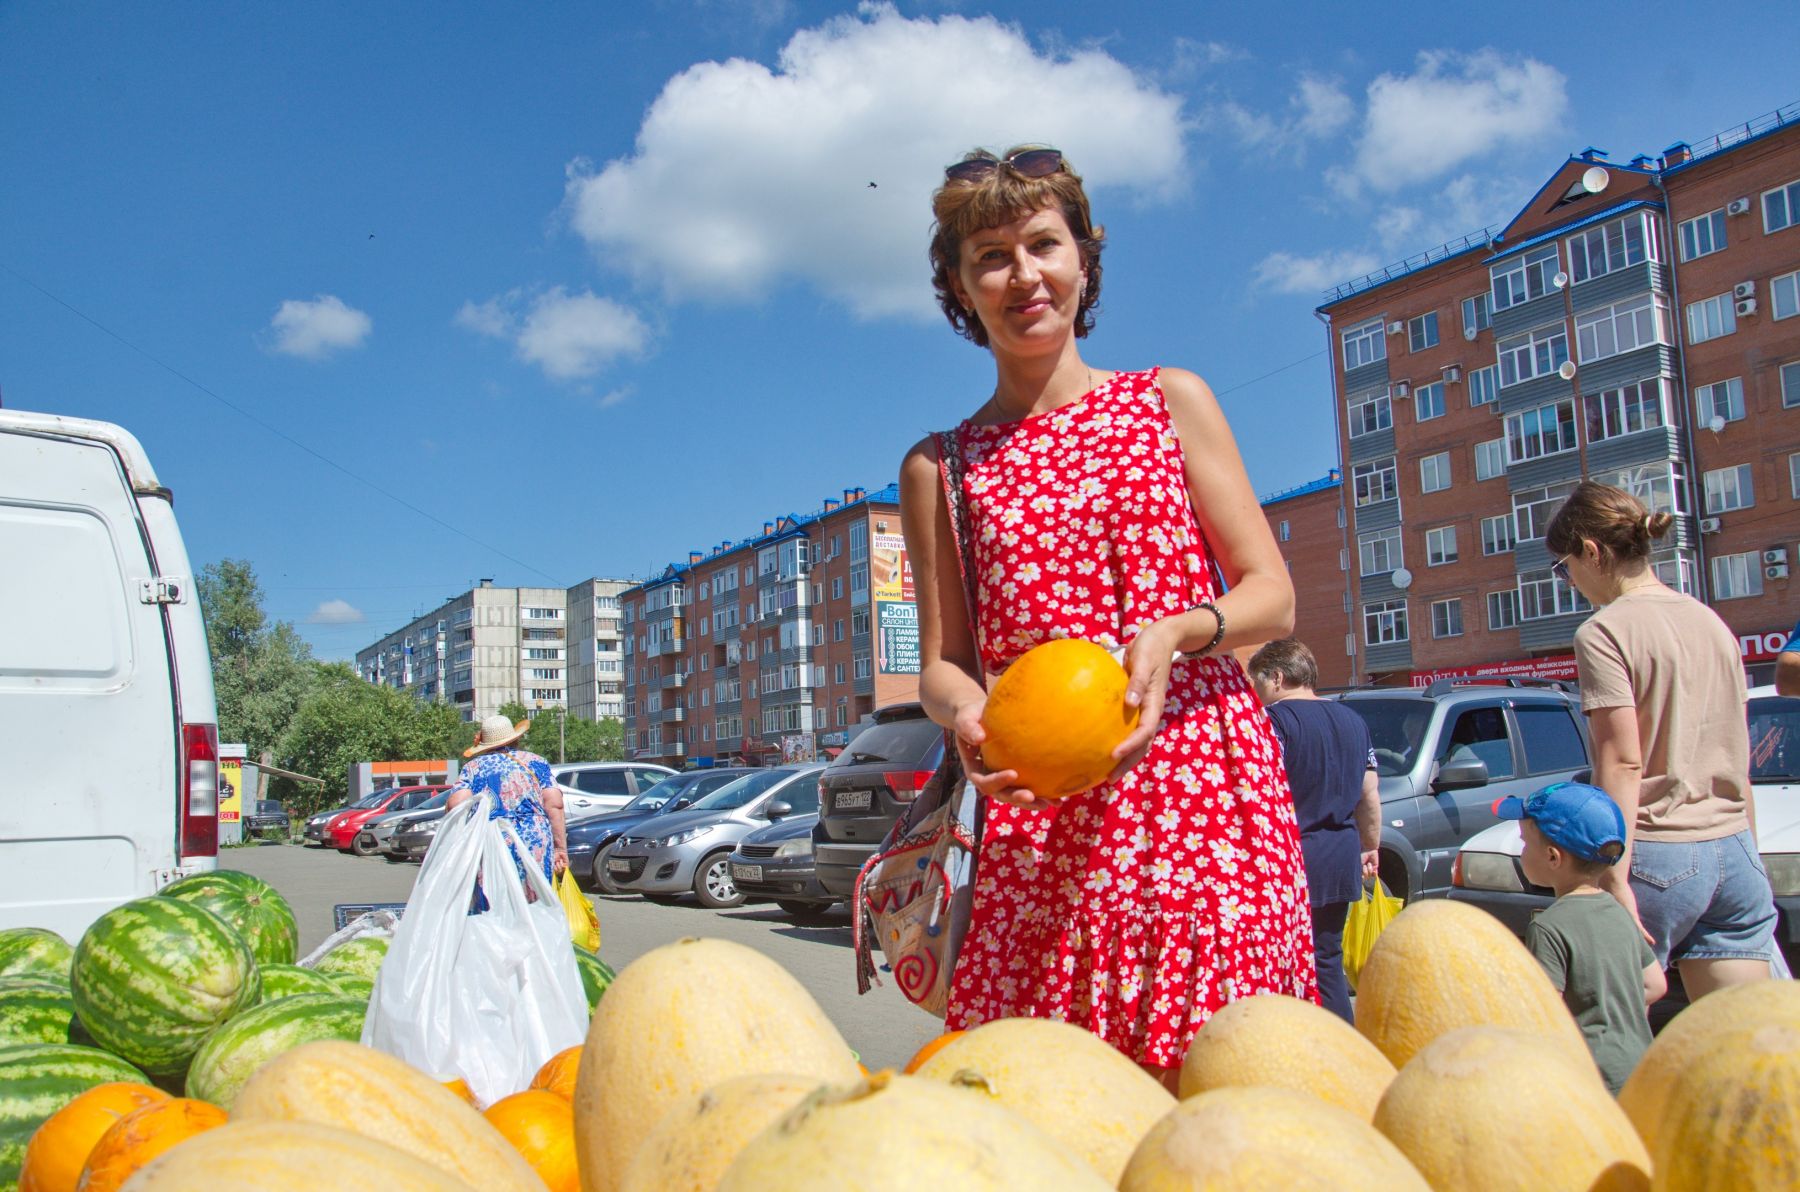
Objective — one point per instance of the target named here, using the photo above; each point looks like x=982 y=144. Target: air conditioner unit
x=1777 y=555
x=1401 y=389
x=1738 y=207
x=1746 y=306
x=1775 y=571
x=1396 y=328
x=1470 y=333
x=1744 y=289
x=1709 y=525
x=1453 y=373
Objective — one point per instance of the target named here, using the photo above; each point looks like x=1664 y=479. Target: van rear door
x=89 y=813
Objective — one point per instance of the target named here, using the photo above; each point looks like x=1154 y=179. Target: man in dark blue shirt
x=1331 y=769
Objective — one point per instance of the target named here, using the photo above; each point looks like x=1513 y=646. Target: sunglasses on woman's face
x=1560 y=569
x=1027 y=163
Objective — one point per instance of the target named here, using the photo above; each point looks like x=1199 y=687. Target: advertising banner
x=897 y=638
x=1559 y=666
x=890 y=573
x=231 y=789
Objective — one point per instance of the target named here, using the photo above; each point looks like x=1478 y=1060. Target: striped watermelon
x=25 y=951
x=596 y=975
x=236 y=1050
x=252 y=906
x=354 y=985
x=286 y=980
x=36 y=1080
x=360 y=957
x=34 y=1010
x=153 y=977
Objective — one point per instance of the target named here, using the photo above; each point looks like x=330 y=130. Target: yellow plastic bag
x=584 y=924
x=1364 y=924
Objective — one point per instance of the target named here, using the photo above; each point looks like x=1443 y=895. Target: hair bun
x=1657 y=524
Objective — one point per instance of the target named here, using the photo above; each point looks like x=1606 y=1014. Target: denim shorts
x=1704 y=899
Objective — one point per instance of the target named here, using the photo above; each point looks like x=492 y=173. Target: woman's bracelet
x=1218 y=634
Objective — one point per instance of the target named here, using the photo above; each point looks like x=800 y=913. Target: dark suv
x=863 y=791
x=1446 y=752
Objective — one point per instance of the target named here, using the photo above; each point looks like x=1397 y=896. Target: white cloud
x=314 y=330
x=1289 y=273
x=569 y=336
x=1317 y=109
x=336 y=612
x=745 y=177
x=1453 y=108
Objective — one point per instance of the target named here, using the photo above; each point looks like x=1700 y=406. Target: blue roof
x=1565 y=229
x=1331 y=479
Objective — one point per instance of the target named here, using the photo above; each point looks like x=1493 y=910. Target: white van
x=109 y=784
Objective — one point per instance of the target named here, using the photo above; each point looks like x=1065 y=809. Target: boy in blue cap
x=1587 y=942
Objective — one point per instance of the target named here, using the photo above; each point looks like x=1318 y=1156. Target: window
x=1490 y=459
x=837 y=587
x=1721 y=399
x=1552 y=741
x=1781 y=207
x=1422 y=332
x=1380 y=552
x=1542 y=595
x=1384 y=622
x=1737 y=576
x=1547 y=430
x=818 y=634
x=1476 y=316
x=1622 y=327
x=1434 y=472
x=1496 y=535
x=1711 y=318
x=1428 y=402
x=837 y=630
x=1484 y=386
x=1523 y=277
x=1480 y=735
x=1534 y=507
x=1729 y=488
x=1623 y=411
x=860 y=665
x=1377 y=481
x=859 y=578
x=1369 y=413
x=1363 y=344
x=1610 y=247
x=1446 y=618
x=1784 y=295
x=1535 y=354
x=837 y=673
x=1284 y=531
x=859 y=541
x=1790 y=385
x=1503 y=609
x=859 y=621
x=1794 y=475
x=1656 y=485
x=1440 y=546
x=1703 y=235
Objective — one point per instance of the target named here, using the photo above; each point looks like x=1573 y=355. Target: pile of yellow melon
x=707 y=1066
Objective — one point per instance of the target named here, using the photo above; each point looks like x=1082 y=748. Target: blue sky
x=402 y=295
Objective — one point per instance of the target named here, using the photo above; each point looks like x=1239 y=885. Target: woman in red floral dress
x=1098 y=503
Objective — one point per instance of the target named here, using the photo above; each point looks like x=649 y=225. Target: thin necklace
x=994 y=398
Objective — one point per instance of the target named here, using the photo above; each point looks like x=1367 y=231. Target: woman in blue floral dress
x=522 y=791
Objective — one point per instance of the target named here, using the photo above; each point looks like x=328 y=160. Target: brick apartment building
x=1309 y=522
x=1633 y=323
x=773 y=647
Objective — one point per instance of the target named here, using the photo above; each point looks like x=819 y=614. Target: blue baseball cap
x=1575 y=816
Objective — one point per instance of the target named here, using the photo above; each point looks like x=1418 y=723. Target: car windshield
x=1396 y=728
x=268 y=807
x=900 y=743
x=745 y=790
x=1774 y=739
x=669 y=788
x=374 y=800
x=436 y=801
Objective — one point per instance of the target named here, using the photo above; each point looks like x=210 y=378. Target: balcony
x=678 y=679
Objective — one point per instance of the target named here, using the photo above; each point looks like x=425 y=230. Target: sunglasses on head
x=1026 y=163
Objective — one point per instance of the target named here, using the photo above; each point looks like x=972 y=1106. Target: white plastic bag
x=486 y=997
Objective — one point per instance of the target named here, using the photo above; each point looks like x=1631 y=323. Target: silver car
x=382 y=831
x=689 y=849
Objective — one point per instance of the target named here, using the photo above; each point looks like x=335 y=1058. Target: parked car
x=269 y=819
x=342 y=829
x=316 y=830
x=1445 y=753
x=410 y=842
x=589 y=836
x=105 y=679
x=592 y=787
x=777 y=862
x=377 y=835
x=867 y=786
x=688 y=850
x=1489 y=876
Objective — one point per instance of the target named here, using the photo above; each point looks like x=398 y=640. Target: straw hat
x=496 y=732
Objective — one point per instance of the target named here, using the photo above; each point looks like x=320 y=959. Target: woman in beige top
x=1663 y=689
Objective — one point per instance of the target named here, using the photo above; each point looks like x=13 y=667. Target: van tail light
x=906 y=784
x=199 y=791
x=1456 y=871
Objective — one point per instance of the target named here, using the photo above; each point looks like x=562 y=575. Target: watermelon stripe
x=34 y=951
x=254 y=908
x=34 y=1011
x=286 y=980
x=233 y=1053
x=36 y=1080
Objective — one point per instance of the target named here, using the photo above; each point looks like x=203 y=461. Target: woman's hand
x=1147 y=661
x=560 y=858
x=969 y=736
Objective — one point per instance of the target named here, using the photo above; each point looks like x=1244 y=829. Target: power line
x=269 y=426
x=1272 y=372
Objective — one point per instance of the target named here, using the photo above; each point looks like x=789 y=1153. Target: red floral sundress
x=1139 y=908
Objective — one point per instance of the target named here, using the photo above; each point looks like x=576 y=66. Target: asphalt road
x=883 y=1027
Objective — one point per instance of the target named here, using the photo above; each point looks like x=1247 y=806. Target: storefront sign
x=231 y=789
x=1761 y=647
x=897 y=644
x=1559 y=666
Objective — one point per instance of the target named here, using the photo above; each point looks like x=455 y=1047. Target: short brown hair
x=1611 y=518
x=1288 y=658
x=964 y=208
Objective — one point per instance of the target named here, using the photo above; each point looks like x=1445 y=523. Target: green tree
x=261 y=671
x=345 y=720
x=559 y=737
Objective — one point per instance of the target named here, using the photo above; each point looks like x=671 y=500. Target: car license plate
x=852 y=800
x=746 y=873
x=615 y=865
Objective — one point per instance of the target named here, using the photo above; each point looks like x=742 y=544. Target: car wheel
x=802 y=910
x=363 y=846
x=1392 y=872
x=713 y=884
x=603 y=881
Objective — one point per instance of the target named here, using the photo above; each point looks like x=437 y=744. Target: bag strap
x=952 y=470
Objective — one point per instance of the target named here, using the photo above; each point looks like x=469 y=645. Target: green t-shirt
x=1595 y=954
